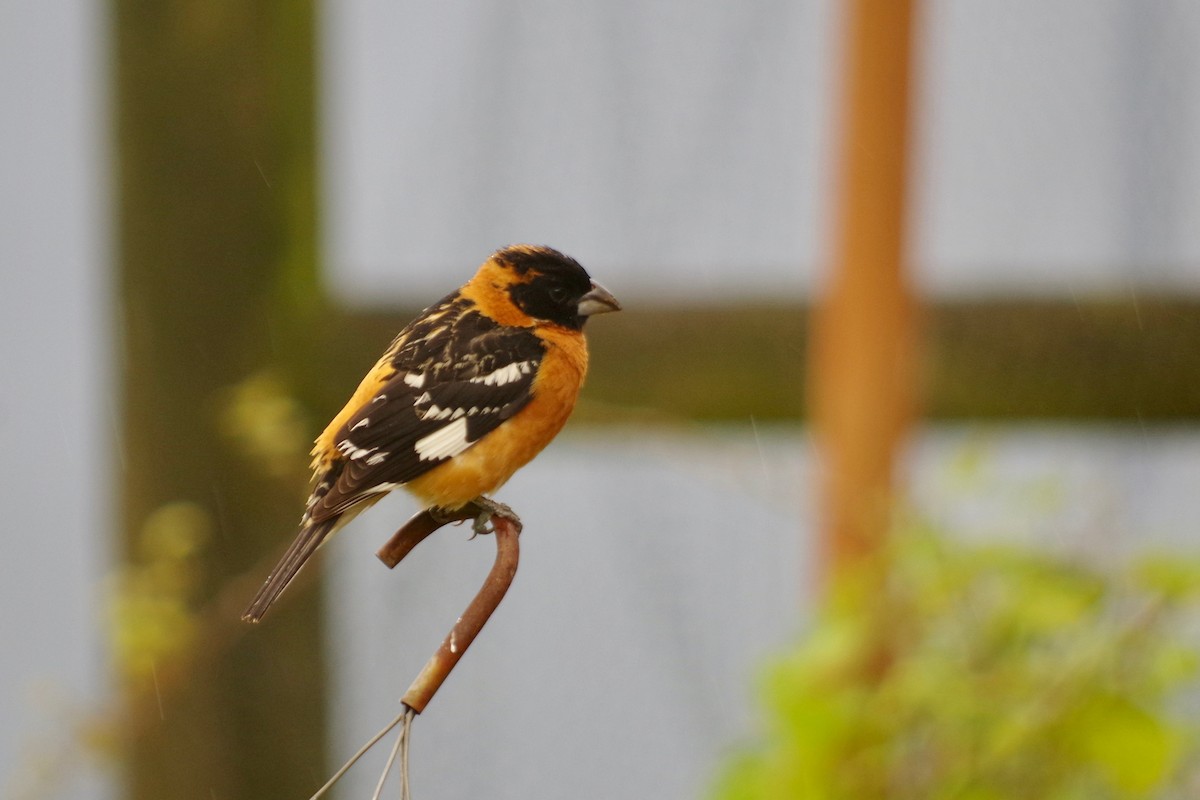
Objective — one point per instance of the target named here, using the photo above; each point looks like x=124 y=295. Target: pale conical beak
x=598 y=301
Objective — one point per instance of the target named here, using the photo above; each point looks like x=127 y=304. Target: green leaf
x=1173 y=664
x=1131 y=748
x=1173 y=576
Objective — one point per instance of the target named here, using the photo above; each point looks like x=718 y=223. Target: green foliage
x=152 y=620
x=267 y=423
x=984 y=673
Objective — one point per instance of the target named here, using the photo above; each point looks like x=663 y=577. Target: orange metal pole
x=862 y=393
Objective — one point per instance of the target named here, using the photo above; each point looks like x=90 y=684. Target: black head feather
x=548 y=285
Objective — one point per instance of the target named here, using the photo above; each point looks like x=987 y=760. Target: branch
x=413 y=532
x=479 y=611
x=506 y=528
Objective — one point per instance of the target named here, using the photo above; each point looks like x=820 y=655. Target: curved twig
x=472 y=621
x=413 y=532
x=507 y=531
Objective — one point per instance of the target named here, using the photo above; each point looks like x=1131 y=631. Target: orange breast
x=493 y=459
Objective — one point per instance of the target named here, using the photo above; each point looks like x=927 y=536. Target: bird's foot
x=481 y=510
x=488 y=509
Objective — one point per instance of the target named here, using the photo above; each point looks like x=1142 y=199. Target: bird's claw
x=483 y=524
x=488 y=509
x=485 y=510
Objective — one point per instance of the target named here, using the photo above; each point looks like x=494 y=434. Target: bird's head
x=548 y=286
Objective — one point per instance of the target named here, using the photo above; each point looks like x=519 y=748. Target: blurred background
x=935 y=261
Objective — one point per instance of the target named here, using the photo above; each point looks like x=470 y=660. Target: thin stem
x=405 y=794
x=405 y=714
x=401 y=741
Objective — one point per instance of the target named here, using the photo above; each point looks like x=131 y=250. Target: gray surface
x=652 y=140
x=55 y=416
x=682 y=148
x=1100 y=492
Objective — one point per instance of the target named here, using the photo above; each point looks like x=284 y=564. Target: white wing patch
x=506 y=374
x=415 y=379
x=373 y=455
x=436 y=412
x=445 y=442
x=350 y=450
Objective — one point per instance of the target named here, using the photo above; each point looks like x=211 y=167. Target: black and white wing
x=454 y=383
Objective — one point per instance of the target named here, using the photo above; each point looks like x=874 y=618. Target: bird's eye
x=558 y=294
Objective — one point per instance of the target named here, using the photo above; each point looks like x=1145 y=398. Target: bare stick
x=472 y=621
x=413 y=532
x=507 y=530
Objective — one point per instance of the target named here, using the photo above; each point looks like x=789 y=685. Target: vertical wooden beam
x=216 y=269
x=861 y=393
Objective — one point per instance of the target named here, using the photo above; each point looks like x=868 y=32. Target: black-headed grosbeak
x=466 y=395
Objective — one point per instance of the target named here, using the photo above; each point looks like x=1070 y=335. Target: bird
x=466 y=394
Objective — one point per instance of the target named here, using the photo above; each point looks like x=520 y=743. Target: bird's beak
x=597 y=301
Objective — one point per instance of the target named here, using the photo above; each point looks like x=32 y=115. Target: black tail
x=307 y=541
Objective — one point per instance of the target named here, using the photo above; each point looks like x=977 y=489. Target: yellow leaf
x=1132 y=749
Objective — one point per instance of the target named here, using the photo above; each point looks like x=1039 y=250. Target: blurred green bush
x=977 y=672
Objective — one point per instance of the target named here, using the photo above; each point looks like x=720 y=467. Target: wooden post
x=215 y=179
x=861 y=393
